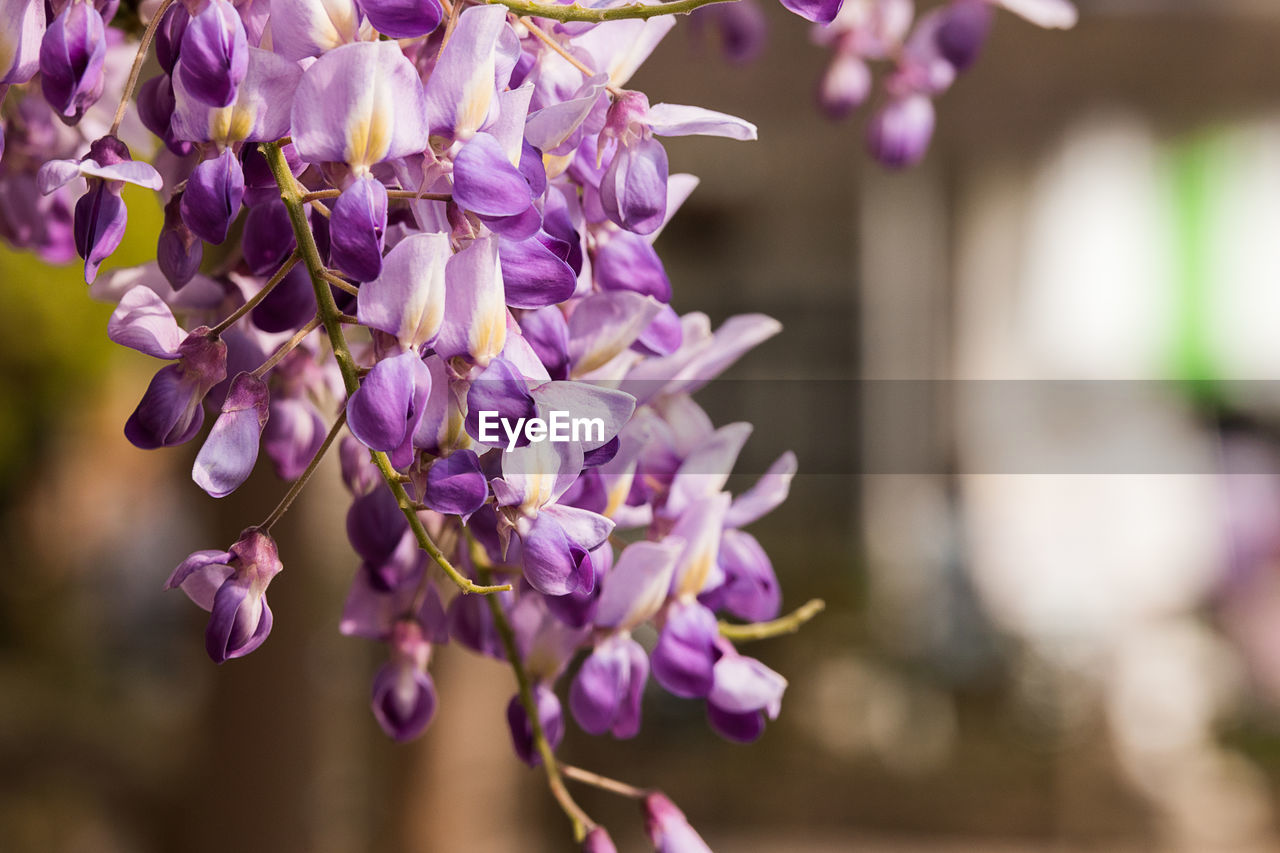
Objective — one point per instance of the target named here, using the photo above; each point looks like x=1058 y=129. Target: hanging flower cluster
x=435 y=227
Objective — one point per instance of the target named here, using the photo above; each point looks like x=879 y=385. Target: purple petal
x=604 y=324
x=142 y=321
x=551 y=126
x=533 y=275
x=386 y=408
x=668 y=828
x=356 y=229
x=750 y=590
x=550 y=716
x=260 y=112
x=471 y=623
x=626 y=261
x=214 y=57
x=818 y=11
x=682 y=120
x=550 y=565
x=24 y=28
x=486 y=182
x=170 y=412
x=200 y=576
x=1051 y=14
x=463 y=83
x=740 y=728
x=408 y=298
x=600 y=688
x=637 y=586
x=293 y=435
x=663 y=336
x=898 y=136
x=178 y=251
x=360 y=104
x=963 y=32
x=503 y=393
x=547 y=333
x=684 y=657
x=268 y=237
x=100 y=220
x=403 y=18
x=845 y=85
x=72 y=53
x=229 y=453
x=767 y=493
x=291 y=304
x=744 y=684
x=239 y=623
x=607 y=409
x=455 y=485
x=305 y=28
x=633 y=189
x=475 y=322
x=404 y=701
x=213 y=195
x=584 y=529
x=598 y=841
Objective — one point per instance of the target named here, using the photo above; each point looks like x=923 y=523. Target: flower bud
x=215 y=54
x=404 y=696
x=71 y=60
x=229 y=453
x=212 y=198
x=845 y=85
x=178 y=251
x=668 y=828
x=898 y=136
x=356 y=228
x=963 y=31
x=549 y=715
x=598 y=841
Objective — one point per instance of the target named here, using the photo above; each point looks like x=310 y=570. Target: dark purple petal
x=403 y=18
x=546 y=331
x=179 y=252
x=633 y=189
x=455 y=485
x=386 y=408
x=213 y=195
x=239 y=622
x=533 y=275
x=229 y=453
x=356 y=229
x=519 y=226
x=502 y=389
x=485 y=182
x=740 y=728
x=376 y=527
x=684 y=657
x=268 y=237
x=577 y=609
x=627 y=261
x=170 y=411
x=71 y=60
x=750 y=590
x=99 y=225
x=404 y=700
x=818 y=11
x=291 y=304
x=168 y=38
x=215 y=55
x=550 y=716
x=663 y=335
x=551 y=564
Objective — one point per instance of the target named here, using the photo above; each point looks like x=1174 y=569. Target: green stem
x=331 y=318
x=615 y=13
x=582 y=823
x=287 y=347
x=788 y=624
x=300 y=483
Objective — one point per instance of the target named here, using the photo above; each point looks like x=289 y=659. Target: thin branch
x=341 y=283
x=788 y=624
x=300 y=483
x=566 y=55
x=574 y=12
x=604 y=783
x=317 y=195
x=287 y=347
x=582 y=823
x=147 y=36
x=253 y=301
x=330 y=317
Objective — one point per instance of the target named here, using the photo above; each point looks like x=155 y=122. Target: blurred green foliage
x=53 y=343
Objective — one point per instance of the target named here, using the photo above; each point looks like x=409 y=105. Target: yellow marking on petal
x=476 y=97
x=556 y=165
x=619 y=492
x=695 y=576
x=8 y=50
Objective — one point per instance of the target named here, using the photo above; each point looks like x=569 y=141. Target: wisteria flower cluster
x=433 y=225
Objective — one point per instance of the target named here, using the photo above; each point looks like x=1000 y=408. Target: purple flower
x=455 y=485
x=668 y=828
x=71 y=58
x=684 y=657
x=232 y=585
x=403 y=18
x=293 y=435
x=404 y=696
x=898 y=135
x=605 y=695
x=964 y=29
x=100 y=214
x=550 y=716
x=407 y=298
x=845 y=85
x=598 y=841
x=22 y=27
x=214 y=56
x=259 y=111
x=213 y=196
x=745 y=691
x=306 y=28
x=178 y=251
x=385 y=410
x=356 y=229
x=170 y=412
x=229 y=453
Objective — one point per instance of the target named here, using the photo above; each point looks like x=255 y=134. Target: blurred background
x=1030 y=384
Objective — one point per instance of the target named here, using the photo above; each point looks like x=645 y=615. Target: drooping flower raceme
x=468 y=209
